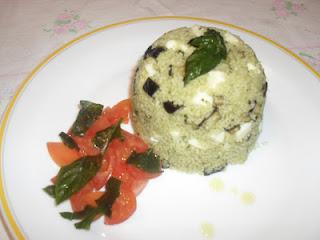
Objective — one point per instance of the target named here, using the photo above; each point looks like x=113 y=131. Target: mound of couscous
x=198 y=98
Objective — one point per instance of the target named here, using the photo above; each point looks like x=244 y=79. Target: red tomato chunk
x=133 y=180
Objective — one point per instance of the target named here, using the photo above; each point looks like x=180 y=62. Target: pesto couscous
x=198 y=98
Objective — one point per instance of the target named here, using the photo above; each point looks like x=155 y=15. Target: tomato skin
x=77 y=203
x=120 y=111
x=138 y=185
x=124 y=206
x=61 y=154
x=104 y=173
x=91 y=197
x=77 y=200
x=134 y=142
x=121 y=150
x=82 y=199
x=101 y=179
x=110 y=116
x=127 y=180
x=101 y=123
x=85 y=145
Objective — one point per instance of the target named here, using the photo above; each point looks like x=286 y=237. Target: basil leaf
x=76 y=215
x=68 y=141
x=147 y=161
x=70 y=215
x=210 y=39
x=88 y=219
x=112 y=193
x=105 y=136
x=73 y=177
x=50 y=190
x=104 y=205
x=88 y=113
x=210 y=51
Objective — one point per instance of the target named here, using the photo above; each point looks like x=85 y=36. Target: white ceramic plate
x=274 y=195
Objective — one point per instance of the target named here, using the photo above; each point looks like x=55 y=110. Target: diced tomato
x=108 y=117
x=61 y=154
x=133 y=179
x=138 y=145
x=111 y=116
x=135 y=184
x=120 y=111
x=86 y=146
x=109 y=160
x=101 y=123
x=124 y=206
x=121 y=150
x=77 y=203
x=77 y=200
x=138 y=185
x=100 y=180
x=104 y=173
x=134 y=142
x=91 y=197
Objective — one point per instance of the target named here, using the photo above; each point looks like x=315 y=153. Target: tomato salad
x=102 y=167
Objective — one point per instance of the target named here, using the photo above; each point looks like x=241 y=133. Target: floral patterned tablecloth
x=31 y=29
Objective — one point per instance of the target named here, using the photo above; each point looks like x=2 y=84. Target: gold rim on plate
x=11 y=225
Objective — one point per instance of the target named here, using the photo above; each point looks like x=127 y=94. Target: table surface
x=31 y=29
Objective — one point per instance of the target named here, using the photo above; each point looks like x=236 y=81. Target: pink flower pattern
x=285 y=8
x=67 y=22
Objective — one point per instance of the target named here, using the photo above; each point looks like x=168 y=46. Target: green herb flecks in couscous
x=198 y=99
